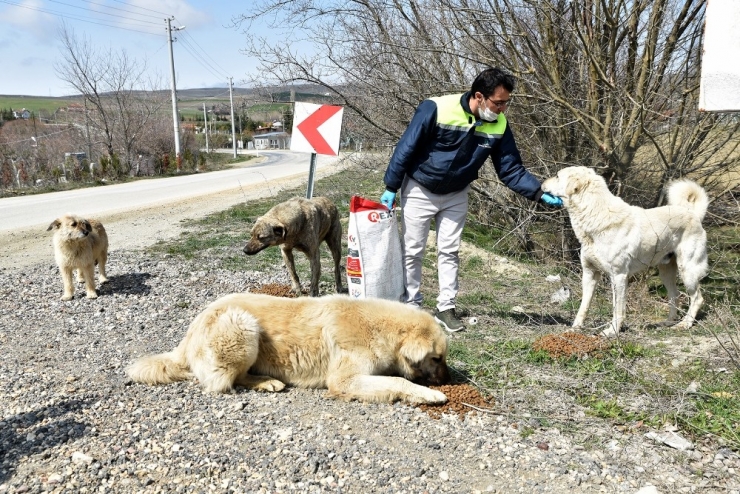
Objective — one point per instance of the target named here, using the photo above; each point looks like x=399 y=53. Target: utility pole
x=205 y=127
x=231 y=98
x=175 y=116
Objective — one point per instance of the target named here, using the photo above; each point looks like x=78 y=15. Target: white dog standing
x=620 y=240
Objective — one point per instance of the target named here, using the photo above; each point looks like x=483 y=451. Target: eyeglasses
x=500 y=104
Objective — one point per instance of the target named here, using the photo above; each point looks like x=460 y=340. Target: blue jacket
x=445 y=145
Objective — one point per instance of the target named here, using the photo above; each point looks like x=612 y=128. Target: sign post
x=316 y=130
x=719 y=89
x=311 y=175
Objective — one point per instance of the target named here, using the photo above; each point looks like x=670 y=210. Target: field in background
x=258 y=107
x=36 y=104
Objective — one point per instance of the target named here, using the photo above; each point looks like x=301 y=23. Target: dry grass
x=643 y=377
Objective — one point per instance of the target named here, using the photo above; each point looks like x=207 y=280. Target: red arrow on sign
x=310 y=128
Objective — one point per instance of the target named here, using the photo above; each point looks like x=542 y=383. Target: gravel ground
x=72 y=422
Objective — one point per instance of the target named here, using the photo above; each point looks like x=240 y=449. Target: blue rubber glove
x=388 y=198
x=551 y=200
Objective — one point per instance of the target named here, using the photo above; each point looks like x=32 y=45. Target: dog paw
x=683 y=325
x=66 y=298
x=92 y=295
x=102 y=280
x=437 y=397
x=430 y=397
x=609 y=332
x=270 y=386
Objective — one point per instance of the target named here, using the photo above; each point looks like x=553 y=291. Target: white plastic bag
x=374 y=261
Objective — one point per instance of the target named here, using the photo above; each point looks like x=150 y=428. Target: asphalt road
x=38 y=210
x=142 y=213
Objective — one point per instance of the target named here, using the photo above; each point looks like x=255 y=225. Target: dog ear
x=280 y=231
x=54 y=224
x=574 y=186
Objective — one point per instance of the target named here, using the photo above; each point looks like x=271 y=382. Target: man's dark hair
x=487 y=81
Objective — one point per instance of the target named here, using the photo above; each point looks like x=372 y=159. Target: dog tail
x=162 y=368
x=688 y=194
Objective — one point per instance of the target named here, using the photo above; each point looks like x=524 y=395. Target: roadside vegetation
x=650 y=378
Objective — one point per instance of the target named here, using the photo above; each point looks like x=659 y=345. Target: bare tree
x=600 y=81
x=611 y=84
x=119 y=99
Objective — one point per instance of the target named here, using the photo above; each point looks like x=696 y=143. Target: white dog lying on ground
x=359 y=349
x=621 y=240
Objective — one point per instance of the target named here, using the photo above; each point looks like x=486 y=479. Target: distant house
x=24 y=114
x=272 y=128
x=74 y=108
x=272 y=140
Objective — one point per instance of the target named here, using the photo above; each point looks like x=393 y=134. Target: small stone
x=78 y=457
x=54 y=478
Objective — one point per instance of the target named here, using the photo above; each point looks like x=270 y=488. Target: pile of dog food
x=461 y=400
x=275 y=289
x=570 y=344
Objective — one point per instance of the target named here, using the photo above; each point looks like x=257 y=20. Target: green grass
x=35 y=104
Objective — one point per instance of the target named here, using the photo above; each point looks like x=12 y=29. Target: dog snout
x=253 y=247
x=443 y=373
x=440 y=374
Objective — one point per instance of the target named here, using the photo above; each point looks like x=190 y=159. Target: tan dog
x=300 y=224
x=79 y=244
x=620 y=240
x=353 y=347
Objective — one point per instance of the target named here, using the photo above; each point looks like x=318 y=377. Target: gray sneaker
x=449 y=320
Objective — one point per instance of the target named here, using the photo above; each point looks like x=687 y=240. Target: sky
x=206 y=52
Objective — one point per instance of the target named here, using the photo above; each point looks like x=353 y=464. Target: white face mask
x=486 y=114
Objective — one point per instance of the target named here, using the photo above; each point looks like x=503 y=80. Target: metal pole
x=233 y=128
x=175 y=117
x=311 y=173
x=205 y=127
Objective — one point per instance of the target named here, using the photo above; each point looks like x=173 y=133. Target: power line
x=105 y=13
x=143 y=8
x=64 y=15
x=124 y=10
x=190 y=49
x=224 y=71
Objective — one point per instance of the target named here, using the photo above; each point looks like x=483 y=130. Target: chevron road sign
x=316 y=128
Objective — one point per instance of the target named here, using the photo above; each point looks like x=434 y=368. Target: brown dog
x=300 y=224
x=79 y=244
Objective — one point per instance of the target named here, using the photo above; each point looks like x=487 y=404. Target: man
x=448 y=140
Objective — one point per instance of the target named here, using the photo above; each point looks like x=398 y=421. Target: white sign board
x=720 y=66
x=316 y=128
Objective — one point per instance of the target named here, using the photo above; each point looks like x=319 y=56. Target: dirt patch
x=570 y=344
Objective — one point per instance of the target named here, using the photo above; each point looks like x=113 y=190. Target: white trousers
x=449 y=211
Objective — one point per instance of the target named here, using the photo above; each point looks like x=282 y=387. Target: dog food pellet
x=570 y=344
x=459 y=399
x=275 y=289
